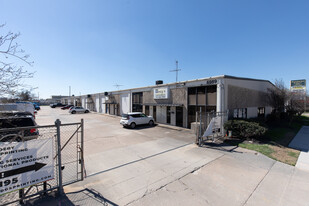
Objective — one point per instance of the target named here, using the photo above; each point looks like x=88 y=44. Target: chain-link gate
x=209 y=125
x=68 y=160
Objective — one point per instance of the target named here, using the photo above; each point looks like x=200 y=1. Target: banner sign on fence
x=23 y=164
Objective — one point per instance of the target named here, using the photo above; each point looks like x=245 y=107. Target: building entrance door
x=154 y=113
x=179 y=116
x=168 y=115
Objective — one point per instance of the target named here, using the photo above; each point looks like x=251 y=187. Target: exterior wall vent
x=158 y=82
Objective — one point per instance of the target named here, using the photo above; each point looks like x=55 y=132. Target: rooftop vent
x=158 y=82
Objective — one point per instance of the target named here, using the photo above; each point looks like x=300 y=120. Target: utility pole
x=176 y=70
x=69 y=91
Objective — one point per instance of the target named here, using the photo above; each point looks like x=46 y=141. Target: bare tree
x=25 y=95
x=11 y=74
x=278 y=96
x=284 y=102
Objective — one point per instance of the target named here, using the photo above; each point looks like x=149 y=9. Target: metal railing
x=68 y=160
x=209 y=125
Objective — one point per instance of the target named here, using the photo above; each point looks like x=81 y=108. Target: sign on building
x=23 y=164
x=161 y=93
x=298 y=85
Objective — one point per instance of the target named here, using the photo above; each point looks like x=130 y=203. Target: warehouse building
x=178 y=103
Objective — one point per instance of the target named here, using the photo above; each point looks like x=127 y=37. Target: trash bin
x=230 y=133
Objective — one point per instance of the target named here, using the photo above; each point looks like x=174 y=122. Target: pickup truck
x=56 y=105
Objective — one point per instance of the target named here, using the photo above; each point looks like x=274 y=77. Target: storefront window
x=204 y=98
x=137 y=101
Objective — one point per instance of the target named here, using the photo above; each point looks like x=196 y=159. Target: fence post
x=196 y=131
x=21 y=196
x=82 y=148
x=200 y=127
x=60 y=186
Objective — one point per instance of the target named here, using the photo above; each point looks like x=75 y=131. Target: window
x=137 y=100
x=201 y=96
x=192 y=95
x=240 y=113
x=261 y=112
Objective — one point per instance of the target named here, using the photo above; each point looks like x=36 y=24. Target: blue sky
x=93 y=45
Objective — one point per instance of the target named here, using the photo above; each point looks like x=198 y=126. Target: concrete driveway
x=162 y=166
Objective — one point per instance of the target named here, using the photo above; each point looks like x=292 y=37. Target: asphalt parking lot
x=162 y=166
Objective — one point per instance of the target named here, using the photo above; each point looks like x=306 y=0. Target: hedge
x=246 y=129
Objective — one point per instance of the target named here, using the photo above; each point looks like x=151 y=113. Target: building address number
x=211 y=81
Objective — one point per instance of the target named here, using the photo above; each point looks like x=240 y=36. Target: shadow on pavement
x=225 y=146
x=141 y=127
x=82 y=197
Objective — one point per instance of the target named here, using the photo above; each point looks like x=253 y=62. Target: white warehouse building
x=178 y=103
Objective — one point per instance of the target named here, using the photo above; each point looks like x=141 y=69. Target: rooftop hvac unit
x=158 y=82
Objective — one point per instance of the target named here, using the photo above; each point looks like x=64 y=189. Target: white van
x=20 y=107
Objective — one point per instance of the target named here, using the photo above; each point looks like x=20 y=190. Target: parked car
x=56 y=105
x=136 y=118
x=67 y=107
x=74 y=110
x=36 y=107
x=18 y=135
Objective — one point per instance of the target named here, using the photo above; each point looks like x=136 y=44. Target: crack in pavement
x=178 y=179
x=259 y=183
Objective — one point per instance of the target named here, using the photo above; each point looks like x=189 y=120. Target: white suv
x=74 y=110
x=136 y=118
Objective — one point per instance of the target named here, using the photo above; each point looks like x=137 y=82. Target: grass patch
x=274 y=144
x=293 y=154
x=261 y=148
x=281 y=154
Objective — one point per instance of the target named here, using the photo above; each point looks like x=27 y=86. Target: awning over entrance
x=163 y=105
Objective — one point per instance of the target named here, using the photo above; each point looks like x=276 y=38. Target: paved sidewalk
x=227 y=176
x=301 y=142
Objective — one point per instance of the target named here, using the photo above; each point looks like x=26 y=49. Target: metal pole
x=21 y=196
x=45 y=187
x=196 y=131
x=82 y=148
x=200 y=128
x=60 y=187
x=305 y=100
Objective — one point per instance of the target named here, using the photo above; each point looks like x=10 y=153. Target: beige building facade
x=178 y=103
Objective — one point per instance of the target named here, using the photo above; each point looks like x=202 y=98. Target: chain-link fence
x=209 y=125
x=68 y=164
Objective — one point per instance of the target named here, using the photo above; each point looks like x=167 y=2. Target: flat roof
x=181 y=82
x=193 y=80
